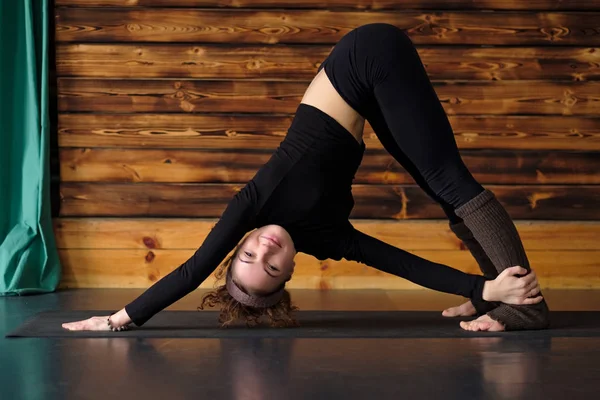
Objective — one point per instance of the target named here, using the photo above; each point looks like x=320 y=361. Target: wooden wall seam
x=316 y=27
x=359 y=5
x=313 y=5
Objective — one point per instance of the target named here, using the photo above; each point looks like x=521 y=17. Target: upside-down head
x=255 y=277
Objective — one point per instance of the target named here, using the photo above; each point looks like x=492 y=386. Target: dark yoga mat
x=314 y=324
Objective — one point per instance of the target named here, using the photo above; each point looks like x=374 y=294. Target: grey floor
x=475 y=368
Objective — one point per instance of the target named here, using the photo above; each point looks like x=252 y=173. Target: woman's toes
x=482 y=326
x=450 y=312
x=464 y=310
x=483 y=323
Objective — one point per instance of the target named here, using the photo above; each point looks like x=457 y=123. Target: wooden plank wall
x=167 y=107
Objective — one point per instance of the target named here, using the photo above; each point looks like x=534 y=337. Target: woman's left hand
x=511 y=289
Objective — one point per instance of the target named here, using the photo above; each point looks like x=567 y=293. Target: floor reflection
x=510 y=367
x=248 y=369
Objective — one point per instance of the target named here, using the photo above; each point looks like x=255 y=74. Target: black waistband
x=313 y=121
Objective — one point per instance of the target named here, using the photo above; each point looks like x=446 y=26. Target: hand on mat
x=511 y=289
x=90 y=324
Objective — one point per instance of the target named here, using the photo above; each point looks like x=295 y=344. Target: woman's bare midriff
x=322 y=95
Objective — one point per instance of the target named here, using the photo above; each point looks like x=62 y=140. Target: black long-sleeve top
x=305 y=187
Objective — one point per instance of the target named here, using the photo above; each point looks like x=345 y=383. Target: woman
x=300 y=201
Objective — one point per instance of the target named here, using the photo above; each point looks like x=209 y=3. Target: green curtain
x=28 y=255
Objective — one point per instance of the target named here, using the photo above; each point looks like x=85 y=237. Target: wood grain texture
x=322 y=26
x=378 y=167
x=132 y=268
x=167 y=107
x=552 y=202
x=242 y=131
x=356 y=4
x=178 y=233
x=98 y=252
x=472 y=98
x=286 y=62
x=522 y=97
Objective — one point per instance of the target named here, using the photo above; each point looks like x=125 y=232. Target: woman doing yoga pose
x=301 y=199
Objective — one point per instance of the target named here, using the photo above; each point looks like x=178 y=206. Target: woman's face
x=264 y=260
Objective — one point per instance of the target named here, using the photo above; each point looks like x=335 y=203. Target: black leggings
x=376 y=69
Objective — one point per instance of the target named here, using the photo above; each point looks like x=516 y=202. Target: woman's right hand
x=119 y=318
x=90 y=324
x=511 y=289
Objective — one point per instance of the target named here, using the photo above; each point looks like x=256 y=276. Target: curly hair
x=279 y=315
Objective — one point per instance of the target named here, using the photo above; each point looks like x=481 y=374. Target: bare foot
x=464 y=310
x=483 y=323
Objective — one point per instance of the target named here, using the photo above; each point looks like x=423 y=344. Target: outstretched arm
x=387 y=258
x=235 y=222
x=237 y=219
x=507 y=287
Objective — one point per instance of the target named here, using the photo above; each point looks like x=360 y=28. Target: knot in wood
x=569 y=99
x=150 y=257
x=253 y=64
x=149 y=242
x=555 y=33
